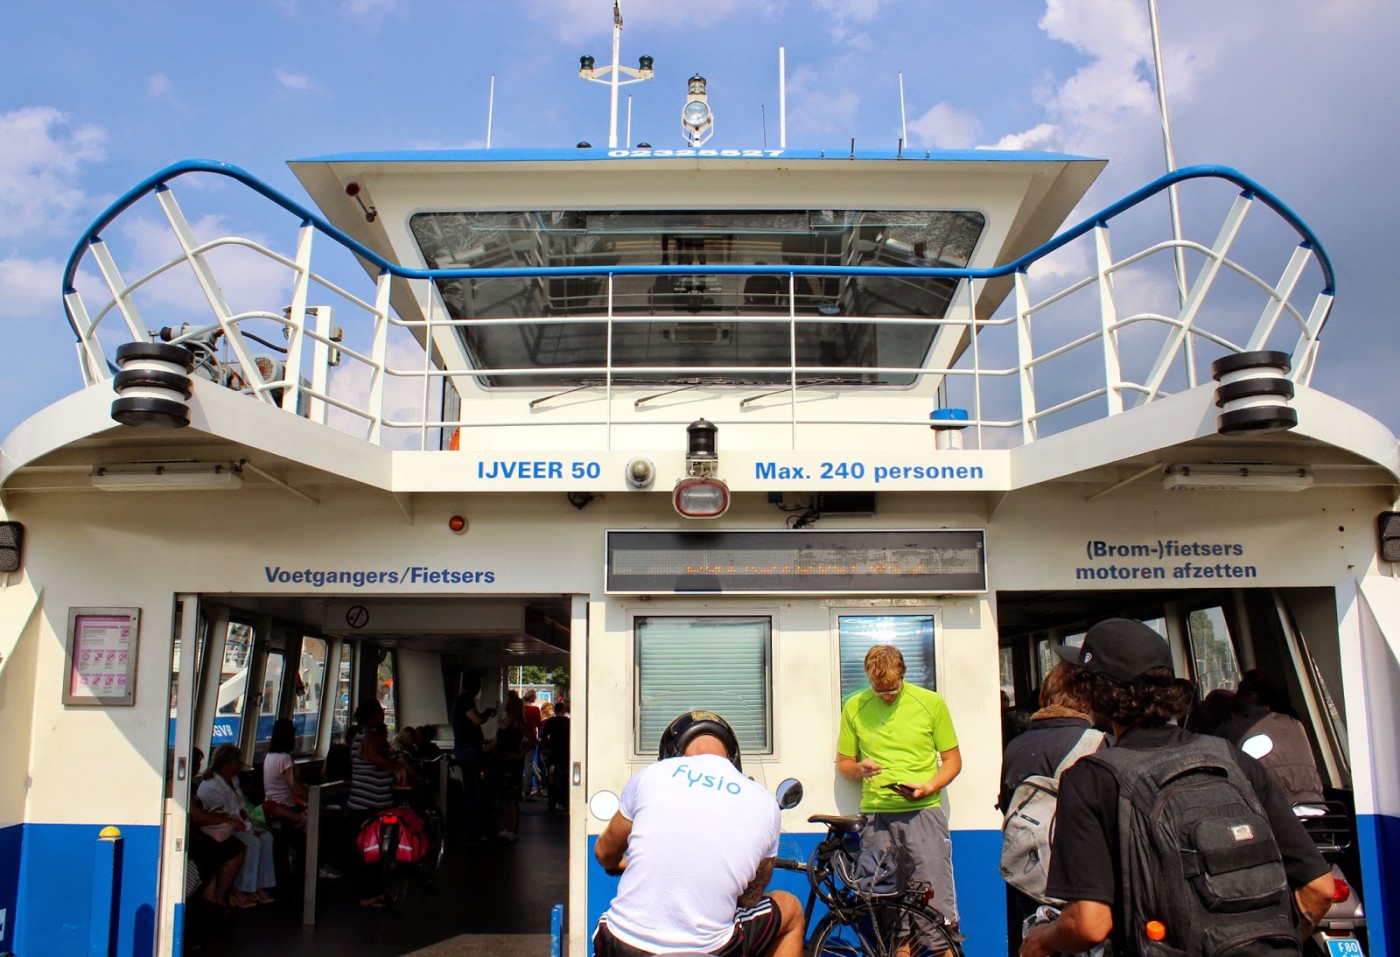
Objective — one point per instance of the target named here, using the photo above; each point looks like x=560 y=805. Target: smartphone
x=903 y=790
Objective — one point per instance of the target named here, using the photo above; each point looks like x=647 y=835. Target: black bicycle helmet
x=691 y=725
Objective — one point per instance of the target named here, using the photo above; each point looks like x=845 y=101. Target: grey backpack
x=1030 y=824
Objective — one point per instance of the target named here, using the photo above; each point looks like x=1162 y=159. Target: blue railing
x=159 y=181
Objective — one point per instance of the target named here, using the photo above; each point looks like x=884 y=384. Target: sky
x=1299 y=95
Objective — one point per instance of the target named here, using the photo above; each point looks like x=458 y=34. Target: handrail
x=157 y=182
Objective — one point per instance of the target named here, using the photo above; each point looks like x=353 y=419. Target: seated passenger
x=216 y=859
x=1281 y=743
x=220 y=794
x=284 y=796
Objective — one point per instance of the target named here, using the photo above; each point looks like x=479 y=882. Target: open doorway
x=322 y=668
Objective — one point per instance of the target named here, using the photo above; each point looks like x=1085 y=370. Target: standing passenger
x=373 y=776
x=898 y=740
x=555 y=742
x=468 y=741
x=534 y=718
x=1157 y=905
x=1060 y=724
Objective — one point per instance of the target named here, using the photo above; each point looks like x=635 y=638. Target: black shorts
x=755 y=930
x=209 y=855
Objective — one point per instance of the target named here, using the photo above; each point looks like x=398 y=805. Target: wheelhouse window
x=911 y=634
x=701 y=322
x=721 y=664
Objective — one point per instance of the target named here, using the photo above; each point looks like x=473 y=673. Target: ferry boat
x=699 y=425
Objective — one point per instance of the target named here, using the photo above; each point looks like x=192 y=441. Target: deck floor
x=492 y=899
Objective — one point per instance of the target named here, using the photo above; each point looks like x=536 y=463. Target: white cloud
x=1045 y=136
x=403 y=394
x=296 y=82
x=29 y=287
x=372 y=12
x=944 y=127
x=158 y=87
x=842 y=13
x=41 y=160
x=813 y=107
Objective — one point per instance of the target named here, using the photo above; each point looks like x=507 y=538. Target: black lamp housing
x=11 y=546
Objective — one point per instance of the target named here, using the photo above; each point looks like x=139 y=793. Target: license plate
x=1345 y=947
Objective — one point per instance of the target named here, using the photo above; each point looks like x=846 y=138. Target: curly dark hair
x=1148 y=702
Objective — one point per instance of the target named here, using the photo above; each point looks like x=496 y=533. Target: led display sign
x=784 y=562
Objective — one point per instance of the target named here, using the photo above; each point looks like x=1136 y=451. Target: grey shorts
x=923 y=835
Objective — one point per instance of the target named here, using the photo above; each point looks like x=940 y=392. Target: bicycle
x=410 y=843
x=862 y=918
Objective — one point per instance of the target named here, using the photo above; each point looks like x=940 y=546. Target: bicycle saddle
x=843 y=823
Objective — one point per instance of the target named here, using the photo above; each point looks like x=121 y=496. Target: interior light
x=700 y=498
x=1231 y=478
x=166 y=478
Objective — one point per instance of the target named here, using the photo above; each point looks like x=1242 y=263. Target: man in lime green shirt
x=898 y=741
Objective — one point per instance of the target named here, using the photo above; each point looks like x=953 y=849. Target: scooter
x=1342 y=930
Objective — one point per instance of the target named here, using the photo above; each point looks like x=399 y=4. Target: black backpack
x=1198 y=855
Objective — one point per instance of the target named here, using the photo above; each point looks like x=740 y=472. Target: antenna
x=629 y=119
x=763 y=112
x=782 y=98
x=903 y=125
x=1173 y=207
x=490 y=110
x=611 y=74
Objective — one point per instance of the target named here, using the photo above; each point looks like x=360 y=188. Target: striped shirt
x=371 y=787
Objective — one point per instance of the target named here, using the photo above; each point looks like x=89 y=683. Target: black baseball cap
x=1121 y=648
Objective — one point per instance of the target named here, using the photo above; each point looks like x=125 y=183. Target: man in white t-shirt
x=694 y=841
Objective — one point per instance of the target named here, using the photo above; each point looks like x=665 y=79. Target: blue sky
x=95 y=96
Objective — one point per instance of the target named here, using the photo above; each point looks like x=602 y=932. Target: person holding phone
x=898 y=741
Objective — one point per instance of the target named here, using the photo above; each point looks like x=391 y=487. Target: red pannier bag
x=412 y=845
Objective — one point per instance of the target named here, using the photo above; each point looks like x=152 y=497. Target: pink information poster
x=103 y=647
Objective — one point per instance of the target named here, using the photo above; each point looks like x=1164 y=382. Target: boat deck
x=490 y=900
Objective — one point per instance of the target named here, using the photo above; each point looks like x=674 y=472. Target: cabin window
x=274 y=668
x=911 y=634
x=1212 y=650
x=340 y=719
x=310 y=689
x=721 y=664
x=233 y=685
x=726 y=320
x=1046 y=658
x=1007 y=662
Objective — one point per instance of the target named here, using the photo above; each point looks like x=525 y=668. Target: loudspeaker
x=1388 y=527
x=11 y=542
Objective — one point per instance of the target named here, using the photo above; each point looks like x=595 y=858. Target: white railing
x=1058 y=352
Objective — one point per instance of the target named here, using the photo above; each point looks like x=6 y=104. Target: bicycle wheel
x=432 y=860
x=833 y=938
x=396 y=880
x=891 y=928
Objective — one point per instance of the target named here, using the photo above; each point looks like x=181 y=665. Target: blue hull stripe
x=47 y=873
x=53 y=906
x=981 y=893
